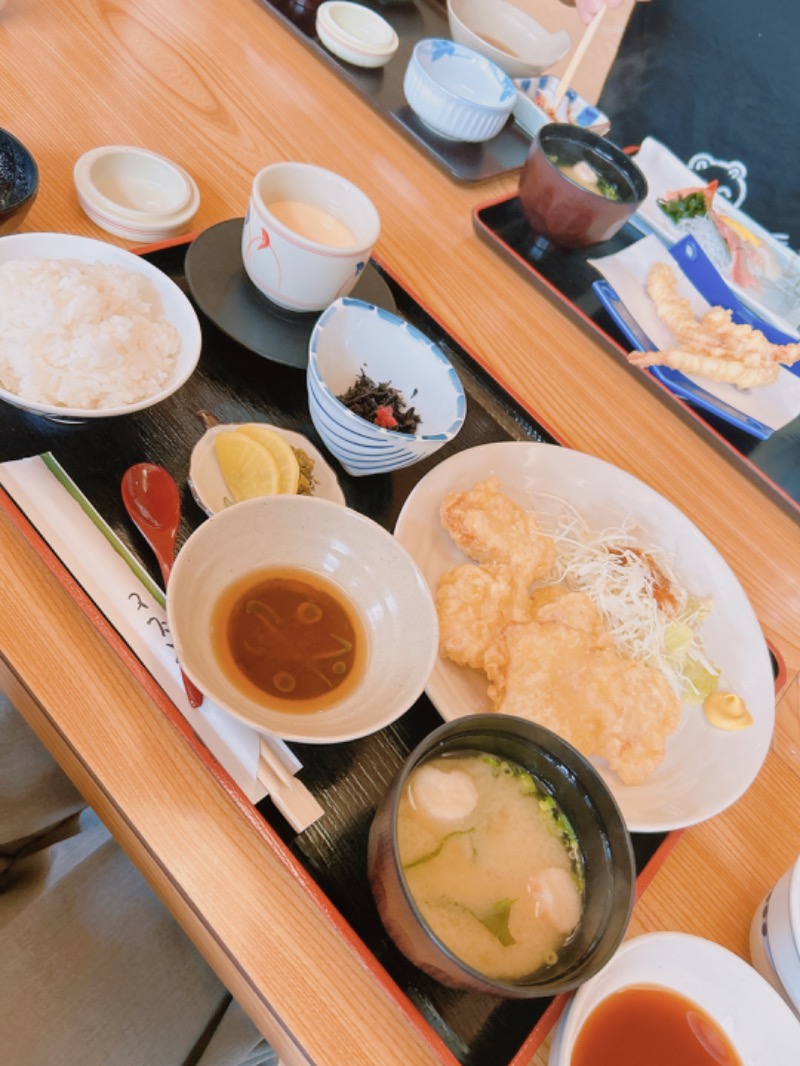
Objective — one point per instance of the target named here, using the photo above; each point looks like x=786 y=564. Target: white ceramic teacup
x=307 y=236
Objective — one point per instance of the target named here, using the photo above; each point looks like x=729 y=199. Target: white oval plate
x=705 y=769
x=761 y=1027
x=208 y=485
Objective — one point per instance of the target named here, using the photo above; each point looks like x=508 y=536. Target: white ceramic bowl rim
x=294 y=180
x=431 y=49
x=794 y=903
x=348 y=548
x=181 y=209
x=530 y=30
x=715 y=978
x=345 y=303
x=357 y=26
x=70 y=246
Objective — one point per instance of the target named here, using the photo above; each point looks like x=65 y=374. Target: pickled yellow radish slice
x=248 y=468
x=280 y=450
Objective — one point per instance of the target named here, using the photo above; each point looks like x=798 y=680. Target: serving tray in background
x=383 y=88
x=567 y=279
x=235 y=385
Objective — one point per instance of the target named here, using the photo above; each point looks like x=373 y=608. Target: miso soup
x=583 y=173
x=491 y=862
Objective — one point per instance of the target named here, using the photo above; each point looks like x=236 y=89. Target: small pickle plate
x=208 y=485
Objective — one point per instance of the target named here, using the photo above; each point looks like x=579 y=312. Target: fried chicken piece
x=573 y=609
x=570 y=679
x=473 y=604
x=489 y=527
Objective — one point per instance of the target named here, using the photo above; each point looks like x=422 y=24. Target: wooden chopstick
x=287 y=792
x=577 y=56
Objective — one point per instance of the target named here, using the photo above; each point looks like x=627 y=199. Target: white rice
x=87 y=335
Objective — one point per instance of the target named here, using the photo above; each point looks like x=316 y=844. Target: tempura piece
x=714 y=347
x=570 y=679
x=473 y=604
x=490 y=527
x=709 y=366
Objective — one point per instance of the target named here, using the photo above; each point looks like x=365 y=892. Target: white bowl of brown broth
x=499 y=861
x=678 y=999
x=303 y=618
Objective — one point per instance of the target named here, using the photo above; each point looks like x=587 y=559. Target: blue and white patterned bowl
x=458 y=93
x=351 y=336
x=533 y=93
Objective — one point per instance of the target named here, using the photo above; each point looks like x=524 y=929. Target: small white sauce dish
x=517 y=43
x=529 y=113
x=355 y=33
x=458 y=93
x=775 y=937
x=134 y=193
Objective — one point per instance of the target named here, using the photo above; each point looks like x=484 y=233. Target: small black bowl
x=602 y=836
x=19 y=182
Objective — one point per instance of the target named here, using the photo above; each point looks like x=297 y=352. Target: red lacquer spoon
x=153 y=501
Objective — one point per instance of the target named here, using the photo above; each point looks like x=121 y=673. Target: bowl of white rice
x=89 y=330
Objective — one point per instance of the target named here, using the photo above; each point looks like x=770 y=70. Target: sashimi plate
x=705 y=769
x=777 y=299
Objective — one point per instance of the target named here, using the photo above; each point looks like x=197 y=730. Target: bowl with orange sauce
x=303 y=618
x=672 y=998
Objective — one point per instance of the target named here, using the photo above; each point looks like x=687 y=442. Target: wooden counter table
x=224 y=89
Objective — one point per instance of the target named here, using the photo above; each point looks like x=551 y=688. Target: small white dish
x=532 y=108
x=757 y=1022
x=517 y=43
x=208 y=485
x=458 y=93
x=134 y=193
x=355 y=33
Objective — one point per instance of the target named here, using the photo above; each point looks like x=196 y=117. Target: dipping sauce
x=657 y=1026
x=290 y=638
x=313 y=223
x=491 y=862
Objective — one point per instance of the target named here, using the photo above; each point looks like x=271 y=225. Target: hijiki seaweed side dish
x=381 y=404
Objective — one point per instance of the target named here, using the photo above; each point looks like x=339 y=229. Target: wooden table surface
x=224 y=89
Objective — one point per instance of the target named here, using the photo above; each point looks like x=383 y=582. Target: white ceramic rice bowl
x=177 y=309
x=353 y=552
x=351 y=336
x=458 y=93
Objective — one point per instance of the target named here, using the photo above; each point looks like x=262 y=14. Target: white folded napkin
x=123 y=591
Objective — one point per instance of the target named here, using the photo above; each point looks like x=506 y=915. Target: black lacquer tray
x=383 y=88
x=236 y=385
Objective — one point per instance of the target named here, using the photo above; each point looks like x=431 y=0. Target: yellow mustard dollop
x=726 y=710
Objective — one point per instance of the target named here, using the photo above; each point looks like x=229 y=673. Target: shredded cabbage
x=626 y=580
